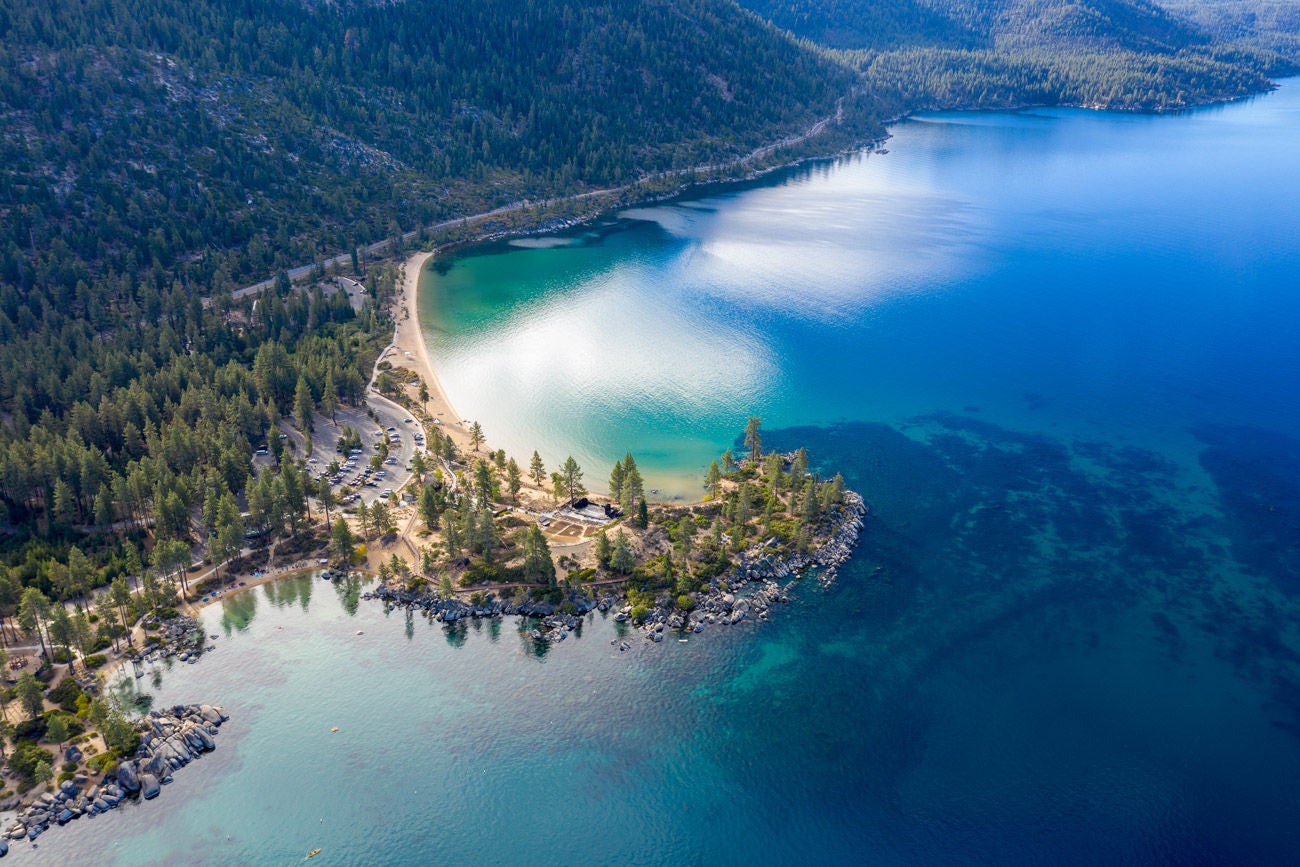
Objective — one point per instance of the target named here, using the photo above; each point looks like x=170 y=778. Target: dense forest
x=157 y=154
x=1269 y=29
x=235 y=138
x=1101 y=53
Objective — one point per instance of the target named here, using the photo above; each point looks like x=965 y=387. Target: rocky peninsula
x=169 y=740
x=767 y=523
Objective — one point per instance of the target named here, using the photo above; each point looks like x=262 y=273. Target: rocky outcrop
x=169 y=740
x=747 y=591
x=753 y=586
x=179 y=637
x=555 y=625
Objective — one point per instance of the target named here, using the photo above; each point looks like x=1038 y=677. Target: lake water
x=1055 y=350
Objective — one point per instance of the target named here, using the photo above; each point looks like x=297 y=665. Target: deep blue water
x=1055 y=350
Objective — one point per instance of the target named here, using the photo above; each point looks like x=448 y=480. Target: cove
x=1053 y=349
x=1116 y=276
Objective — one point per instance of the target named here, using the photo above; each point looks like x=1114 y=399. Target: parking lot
x=390 y=422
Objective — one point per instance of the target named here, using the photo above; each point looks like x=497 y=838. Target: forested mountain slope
x=990 y=53
x=146 y=132
x=1268 y=27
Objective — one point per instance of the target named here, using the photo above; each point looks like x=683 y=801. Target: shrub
x=684 y=602
x=30 y=729
x=69 y=767
x=24 y=758
x=65 y=694
x=65 y=776
x=639 y=612
x=95 y=660
x=103 y=761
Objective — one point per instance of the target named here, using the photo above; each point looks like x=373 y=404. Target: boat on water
x=313 y=853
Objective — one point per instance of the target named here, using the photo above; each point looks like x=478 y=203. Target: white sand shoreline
x=412 y=352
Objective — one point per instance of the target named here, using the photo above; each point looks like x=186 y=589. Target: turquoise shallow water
x=1056 y=351
x=1123 y=276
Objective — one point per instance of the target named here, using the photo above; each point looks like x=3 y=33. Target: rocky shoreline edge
x=751 y=586
x=169 y=740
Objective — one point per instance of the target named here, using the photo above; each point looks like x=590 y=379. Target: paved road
x=380 y=248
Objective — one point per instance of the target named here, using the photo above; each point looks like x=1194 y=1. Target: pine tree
x=537 y=470
x=482 y=482
x=487 y=535
x=538 y=566
x=811 y=507
x=303 y=405
x=800 y=467
x=714 y=480
x=429 y=507
x=513 y=480
x=774 y=470
x=329 y=399
x=603 y=549
x=754 y=438
x=572 y=474
x=633 y=486
x=616 y=477
x=622 y=559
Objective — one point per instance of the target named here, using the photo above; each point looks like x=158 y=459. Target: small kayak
x=313 y=853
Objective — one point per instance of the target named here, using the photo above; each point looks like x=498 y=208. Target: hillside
x=1269 y=29
x=147 y=132
x=993 y=53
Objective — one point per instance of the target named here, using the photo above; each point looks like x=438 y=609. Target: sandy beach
x=409 y=351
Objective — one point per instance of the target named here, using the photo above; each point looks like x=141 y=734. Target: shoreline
x=755 y=583
x=409 y=348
